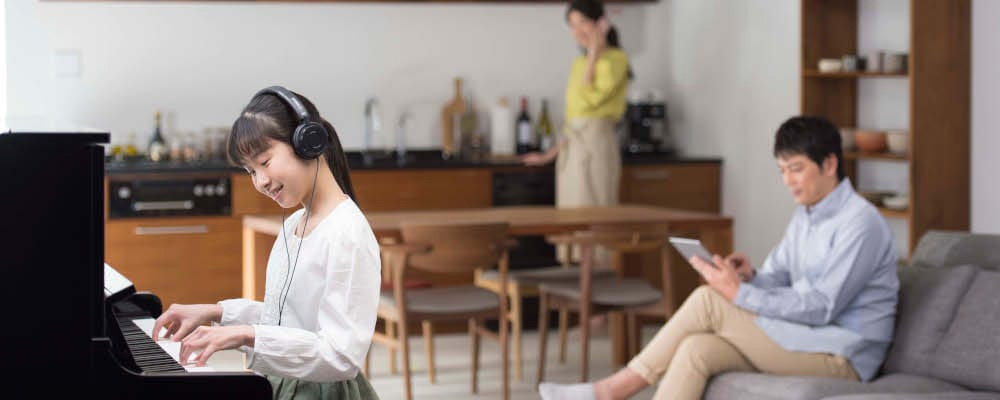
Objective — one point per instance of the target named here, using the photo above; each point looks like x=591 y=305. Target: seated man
x=823 y=304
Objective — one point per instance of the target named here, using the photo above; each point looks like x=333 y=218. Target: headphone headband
x=310 y=138
x=289 y=98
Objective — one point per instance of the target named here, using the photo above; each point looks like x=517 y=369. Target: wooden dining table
x=714 y=230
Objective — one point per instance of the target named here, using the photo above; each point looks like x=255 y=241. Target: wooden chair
x=523 y=283
x=595 y=295
x=446 y=249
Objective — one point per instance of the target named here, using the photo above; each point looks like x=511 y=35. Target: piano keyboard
x=221 y=361
x=148 y=355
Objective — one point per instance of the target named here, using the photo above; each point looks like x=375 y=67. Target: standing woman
x=311 y=333
x=588 y=168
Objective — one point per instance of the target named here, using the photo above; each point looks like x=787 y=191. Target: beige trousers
x=709 y=335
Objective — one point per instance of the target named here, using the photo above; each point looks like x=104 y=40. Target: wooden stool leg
x=543 y=332
x=584 y=342
x=429 y=347
x=563 y=328
x=405 y=349
x=474 y=351
x=517 y=329
x=390 y=331
x=633 y=335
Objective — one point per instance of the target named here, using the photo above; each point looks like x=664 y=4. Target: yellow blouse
x=605 y=96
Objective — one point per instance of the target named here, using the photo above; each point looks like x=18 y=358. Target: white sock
x=577 y=391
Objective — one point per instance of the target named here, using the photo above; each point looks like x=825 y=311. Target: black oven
x=169 y=194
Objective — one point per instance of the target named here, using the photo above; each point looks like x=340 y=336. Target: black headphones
x=310 y=138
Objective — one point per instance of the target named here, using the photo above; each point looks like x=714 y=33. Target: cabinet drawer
x=684 y=186
x=181 y=260
x=422 y=189
x=247 y=200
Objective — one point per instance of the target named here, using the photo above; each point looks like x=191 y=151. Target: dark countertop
x=416 y=159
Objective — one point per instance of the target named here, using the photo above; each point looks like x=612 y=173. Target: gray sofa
x=947 y=339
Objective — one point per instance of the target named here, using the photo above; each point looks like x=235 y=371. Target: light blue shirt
x=830 y=285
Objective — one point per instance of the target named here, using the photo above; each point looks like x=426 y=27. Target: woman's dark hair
x=814 y=137
x=267 y=116
x=594 y=10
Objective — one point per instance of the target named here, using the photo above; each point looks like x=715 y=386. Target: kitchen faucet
x=373 y=123
x=401 y=136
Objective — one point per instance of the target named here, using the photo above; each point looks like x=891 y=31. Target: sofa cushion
x=969 y=351
x=928 y=298
x=756 y=386
x=745 y=385
x=947 y=248
x=906 y=383
x=925 y=396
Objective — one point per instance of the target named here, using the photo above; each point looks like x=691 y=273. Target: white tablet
x=691 y=247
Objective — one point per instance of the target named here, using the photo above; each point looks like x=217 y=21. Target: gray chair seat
x=546 y=274
x=608 y=291
x=446 y=300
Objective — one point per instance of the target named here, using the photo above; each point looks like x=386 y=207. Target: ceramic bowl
x=830 y=65
x=896 y=202
x=847 y=138
x=898 y=141
x=870 y=141
x=876 y=196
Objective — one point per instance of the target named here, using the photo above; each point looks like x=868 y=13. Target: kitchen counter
x=416 y=159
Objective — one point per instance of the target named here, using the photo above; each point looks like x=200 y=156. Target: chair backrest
x=456 y=248
x=630 y=237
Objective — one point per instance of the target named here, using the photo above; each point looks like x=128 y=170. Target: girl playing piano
x=313 y=329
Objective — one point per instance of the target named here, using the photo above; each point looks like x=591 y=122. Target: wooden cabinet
x=438 y=189
x=185 y=260
x=693 y=186
x=247 y=200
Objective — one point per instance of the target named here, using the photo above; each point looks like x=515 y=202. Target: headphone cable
x=287 y=286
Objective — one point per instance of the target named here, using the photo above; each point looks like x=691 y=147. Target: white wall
x=729 y=69
x=985 y=116
x=201 y=62
x=735 y=79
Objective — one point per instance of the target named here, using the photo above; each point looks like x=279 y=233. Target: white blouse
x=330 y=307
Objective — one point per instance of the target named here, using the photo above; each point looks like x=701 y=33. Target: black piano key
x=146 y=353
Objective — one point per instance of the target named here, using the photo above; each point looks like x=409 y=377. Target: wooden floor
x=453 y=368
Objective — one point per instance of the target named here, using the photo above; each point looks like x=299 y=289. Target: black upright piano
x=60 y=329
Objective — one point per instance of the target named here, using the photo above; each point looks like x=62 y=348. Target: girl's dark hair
x=594 y=10
x=814 y=137
x=267 y=116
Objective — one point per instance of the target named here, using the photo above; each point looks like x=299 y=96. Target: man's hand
x=719 y=275
x=741 y=263
x=209 y=339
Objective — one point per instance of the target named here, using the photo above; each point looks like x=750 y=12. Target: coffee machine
x=645 y=127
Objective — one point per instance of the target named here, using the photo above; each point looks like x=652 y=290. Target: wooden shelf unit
x=812 y=73
x=886 y=156
x=939 y=70
x=890 y=213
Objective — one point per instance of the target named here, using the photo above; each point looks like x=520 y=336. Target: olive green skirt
x=351 y=389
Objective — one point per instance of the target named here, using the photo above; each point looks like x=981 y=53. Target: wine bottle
x=525 y=132
x=157 y=146
x=544 y=129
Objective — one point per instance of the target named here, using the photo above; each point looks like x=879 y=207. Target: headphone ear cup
x=310 y=140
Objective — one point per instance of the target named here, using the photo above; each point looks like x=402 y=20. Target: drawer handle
x=651 y=175
x=163 y=205
x=171 y=230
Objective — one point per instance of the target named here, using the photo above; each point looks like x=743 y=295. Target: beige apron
x=588 y=167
